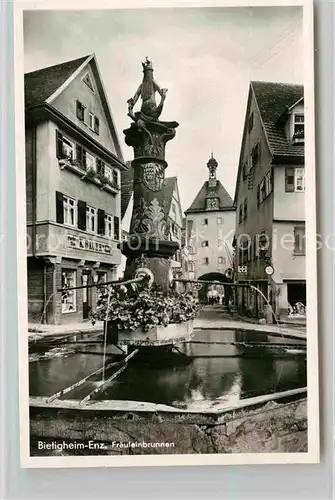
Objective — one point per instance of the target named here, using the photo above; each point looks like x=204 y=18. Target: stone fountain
x=149 y=246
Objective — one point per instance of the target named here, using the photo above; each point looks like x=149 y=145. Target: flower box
x=159 y=335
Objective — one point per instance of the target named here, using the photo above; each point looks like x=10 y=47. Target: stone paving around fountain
x=210 y=318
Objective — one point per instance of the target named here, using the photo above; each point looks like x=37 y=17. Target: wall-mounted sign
x=87 y=244
x=242 y=269
x=269 y=270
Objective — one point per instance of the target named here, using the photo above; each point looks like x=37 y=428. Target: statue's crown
x=147 y=64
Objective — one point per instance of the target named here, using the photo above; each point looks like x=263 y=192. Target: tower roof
x=199 y=202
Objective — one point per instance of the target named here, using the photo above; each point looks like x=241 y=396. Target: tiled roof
x=274 y=100
x=164 y=196
x=199 y=202
x=41 y=84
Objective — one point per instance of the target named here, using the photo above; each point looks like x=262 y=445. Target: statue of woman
x=147 y=91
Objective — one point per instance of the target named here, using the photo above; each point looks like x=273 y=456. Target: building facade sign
x=88 y=244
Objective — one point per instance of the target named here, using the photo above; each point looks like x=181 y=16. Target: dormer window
x=298 y=128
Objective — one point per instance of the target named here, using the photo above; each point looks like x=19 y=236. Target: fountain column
x=149 y=243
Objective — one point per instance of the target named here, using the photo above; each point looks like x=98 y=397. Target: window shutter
x=101 y=221
x=84 y=157
x=99 y=167
x=79 y=153
x=289 y=180
x=82 y=215
x=96 y=125
x=116 y=228
x=59 y=207
x=59 y=144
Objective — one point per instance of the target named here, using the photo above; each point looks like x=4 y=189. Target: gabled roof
x=274 y=100
x=41 y=84
x=199 y=202
x=42 y=87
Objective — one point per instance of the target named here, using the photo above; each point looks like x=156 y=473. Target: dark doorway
x=87 y=295
x=296 y=292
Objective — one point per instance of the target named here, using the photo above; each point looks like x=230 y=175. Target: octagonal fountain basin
x=223 y=367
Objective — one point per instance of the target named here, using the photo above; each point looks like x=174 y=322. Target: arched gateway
x=220 y=278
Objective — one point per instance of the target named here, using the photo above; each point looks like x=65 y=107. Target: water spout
x=268 y=303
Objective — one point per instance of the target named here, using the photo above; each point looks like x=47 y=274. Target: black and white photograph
x=167 y=239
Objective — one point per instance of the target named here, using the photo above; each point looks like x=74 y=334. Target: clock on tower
x=212 y=204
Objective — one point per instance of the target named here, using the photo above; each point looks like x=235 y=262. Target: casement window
x=298 y=127
x=191 y=266
x=299 y=179
x=205 y=261
x=251 y=122
x=109 y=226
x=221 y=260
x=90 y=162
x=101 y=226
x=116 y=228
x=204 y=243
x=68 y=300
x=80 y=111
x=64 y=147
x=94 y=123
x=205 y=222
x=294 y=179
x=299 y=240
x=115 y=177
x=91 y=214
x=69 y=211
x=108 y=172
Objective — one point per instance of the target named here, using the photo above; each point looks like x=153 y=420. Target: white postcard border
x=312 y=455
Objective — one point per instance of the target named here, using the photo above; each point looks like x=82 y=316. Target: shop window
x=90 y=219
x=68 y=296
x=299 y=240
x=109 y=225
x=69 y=211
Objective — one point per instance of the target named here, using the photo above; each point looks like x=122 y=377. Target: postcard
x=166 y=230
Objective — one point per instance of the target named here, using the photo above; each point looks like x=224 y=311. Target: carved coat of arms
x=153 y=176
